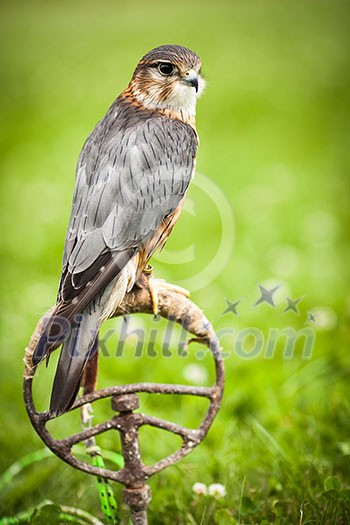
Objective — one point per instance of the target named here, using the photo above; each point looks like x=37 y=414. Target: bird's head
x=169 y=78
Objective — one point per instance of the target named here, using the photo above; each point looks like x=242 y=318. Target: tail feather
x=76 y=350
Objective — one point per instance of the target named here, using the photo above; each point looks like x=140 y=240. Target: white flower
x=195 y=373
x=217 y=490
x=200 y=489
x=326 y=318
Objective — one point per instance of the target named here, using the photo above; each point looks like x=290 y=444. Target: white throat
x=182 y=99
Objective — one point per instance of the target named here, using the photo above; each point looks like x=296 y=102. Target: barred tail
x=77 y=349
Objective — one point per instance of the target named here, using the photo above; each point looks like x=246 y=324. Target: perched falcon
x=132 y=177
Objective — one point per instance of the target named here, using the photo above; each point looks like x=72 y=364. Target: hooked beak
x=191 y=78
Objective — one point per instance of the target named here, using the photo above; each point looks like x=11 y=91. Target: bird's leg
x=155 y=285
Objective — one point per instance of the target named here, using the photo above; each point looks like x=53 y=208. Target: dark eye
x=166 y=69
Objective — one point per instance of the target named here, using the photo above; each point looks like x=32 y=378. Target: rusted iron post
x=136 y=494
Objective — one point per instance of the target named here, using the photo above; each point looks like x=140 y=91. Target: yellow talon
x=153 y=288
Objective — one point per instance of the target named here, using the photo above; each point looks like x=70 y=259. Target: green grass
x=273 y=125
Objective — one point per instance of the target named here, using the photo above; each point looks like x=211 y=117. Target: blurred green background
x=270 y=206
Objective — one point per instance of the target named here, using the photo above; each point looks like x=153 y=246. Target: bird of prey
x=132 y=177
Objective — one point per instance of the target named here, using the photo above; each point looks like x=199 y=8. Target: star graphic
x=311 y=317
x=267 y=296
x=292 y=305
x=231 y=306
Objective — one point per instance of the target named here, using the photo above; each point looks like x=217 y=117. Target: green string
x=107 y=499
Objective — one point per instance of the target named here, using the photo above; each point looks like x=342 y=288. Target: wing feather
x=133 y=172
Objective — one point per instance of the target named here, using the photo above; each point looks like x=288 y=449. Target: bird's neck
x=170 y=108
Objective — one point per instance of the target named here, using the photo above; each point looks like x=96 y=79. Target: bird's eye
x=166 y=69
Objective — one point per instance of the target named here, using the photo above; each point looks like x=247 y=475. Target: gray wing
x=132 y=173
